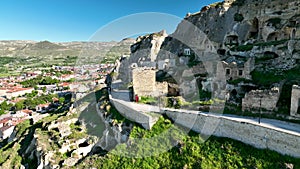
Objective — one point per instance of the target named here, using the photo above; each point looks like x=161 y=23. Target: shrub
x=238 y=17
x=237 y=81
x=243 y=48
x=238 y=3
x=176 y=102
x=148 y=100
x=266 y=57
x=275 y=43
x=275 y=21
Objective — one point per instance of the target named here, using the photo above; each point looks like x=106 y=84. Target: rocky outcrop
x=115 y=132
x=60 y=142
x=260 y=35
x=148 y=46
x=239 y=23
x=143 y=53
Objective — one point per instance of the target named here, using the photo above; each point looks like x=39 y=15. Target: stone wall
x=238 y=69
x=257 y=99
x=162 y=89
x=127 y=110
x=144 y=81
x=282 y=141
x=246 y=131
x=295 y=100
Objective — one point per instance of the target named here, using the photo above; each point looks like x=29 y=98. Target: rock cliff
x=226 y=42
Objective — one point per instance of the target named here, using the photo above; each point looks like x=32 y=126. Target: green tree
x=5 y=106
x=19 y=105
x=67 y=88
x=61 y=100
x=44 y=89
x=32 y=94
x=2 y=112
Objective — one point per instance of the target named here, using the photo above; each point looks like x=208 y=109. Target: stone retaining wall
x=146 y=120
x=259 y=136
x=249 y=132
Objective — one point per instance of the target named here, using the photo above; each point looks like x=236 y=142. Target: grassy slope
x=192 y=153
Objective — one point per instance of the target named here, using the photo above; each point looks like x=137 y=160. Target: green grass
x=161 y=125
x=264 y=58
x=267 y=78
x=237 y=81
x=249 y=47
x=147 y=100
x=11 y=153
x=116 y=116
x=191 y=152
x=275 y=43
x=243 y=48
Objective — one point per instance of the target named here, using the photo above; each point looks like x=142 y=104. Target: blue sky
x=79 y=20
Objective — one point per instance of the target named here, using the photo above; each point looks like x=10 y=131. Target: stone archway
x=165 y=66
x=215 y=87
x=298 y=109
x=254 y=29
x=273 y=37
x=232 y=39
x=233 y=93
x=134 y=65
x=293 y=34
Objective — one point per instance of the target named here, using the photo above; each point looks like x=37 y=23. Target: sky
x=84 y=20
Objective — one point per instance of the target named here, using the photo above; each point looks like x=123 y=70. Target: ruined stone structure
x=166 y=64
x=261 y=99
x=235 y=68
x=144 y=83
x=295 y=101
x=226 y=38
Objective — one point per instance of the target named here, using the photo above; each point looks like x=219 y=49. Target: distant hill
x=18 y=48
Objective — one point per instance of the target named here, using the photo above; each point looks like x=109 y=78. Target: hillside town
x=221 y=91
x=38 y=92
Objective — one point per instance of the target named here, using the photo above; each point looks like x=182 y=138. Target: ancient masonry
x=295 y=101
x=264 y=99
x=235 y=69
x=260 y=136
x=144 y=83
x=127 y=109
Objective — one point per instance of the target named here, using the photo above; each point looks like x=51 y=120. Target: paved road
x=269 y=123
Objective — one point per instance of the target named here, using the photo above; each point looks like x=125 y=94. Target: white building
x=16 y=92
x=6 y=131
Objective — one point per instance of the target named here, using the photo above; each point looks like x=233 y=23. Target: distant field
x=20 y=55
